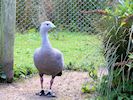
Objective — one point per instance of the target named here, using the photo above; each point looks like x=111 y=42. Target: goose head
x=46 y=26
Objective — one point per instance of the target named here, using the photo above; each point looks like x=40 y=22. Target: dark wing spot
x=59 y=74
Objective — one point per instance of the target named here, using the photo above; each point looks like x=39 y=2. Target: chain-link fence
x=65 y=14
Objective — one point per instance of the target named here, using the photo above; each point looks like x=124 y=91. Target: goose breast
x=48 y=61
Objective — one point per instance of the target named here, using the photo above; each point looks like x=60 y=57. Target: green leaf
x=120 y=98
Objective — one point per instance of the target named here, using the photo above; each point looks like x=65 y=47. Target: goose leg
x=51 y=82
x=41 y=81
x=50 y=93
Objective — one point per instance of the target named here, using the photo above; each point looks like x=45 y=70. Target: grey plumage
x=47 y=59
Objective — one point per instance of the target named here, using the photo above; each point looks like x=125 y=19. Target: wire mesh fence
x=66 y=14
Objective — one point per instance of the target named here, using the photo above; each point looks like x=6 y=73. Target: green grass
x=80 y=50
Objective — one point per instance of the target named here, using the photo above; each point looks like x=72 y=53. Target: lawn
x=81 y=51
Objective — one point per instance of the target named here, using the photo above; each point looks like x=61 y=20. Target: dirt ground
x=66 y=87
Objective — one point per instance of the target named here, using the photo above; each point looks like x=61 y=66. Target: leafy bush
x=23 y=71
x=116 y=85
x=90 y=87
x=117 y=27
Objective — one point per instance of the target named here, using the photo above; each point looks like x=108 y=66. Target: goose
x=48 y=60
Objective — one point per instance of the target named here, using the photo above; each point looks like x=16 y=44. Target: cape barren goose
x=48 y=60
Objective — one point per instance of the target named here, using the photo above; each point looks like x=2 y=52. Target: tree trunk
x=7 y=31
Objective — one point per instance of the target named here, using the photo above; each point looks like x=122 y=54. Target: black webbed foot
x=46 y=93
x=50 y=94
x=41 y=93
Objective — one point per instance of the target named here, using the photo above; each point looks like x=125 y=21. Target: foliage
x=23 y=71
x=90 y=87
x=117 y=85
x=123 y=9
x=123 y=91
x=117 y=28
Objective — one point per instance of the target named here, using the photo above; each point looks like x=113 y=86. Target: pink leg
x=41 y=80
x=51 y=82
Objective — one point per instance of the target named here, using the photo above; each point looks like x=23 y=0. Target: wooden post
x=7 y=31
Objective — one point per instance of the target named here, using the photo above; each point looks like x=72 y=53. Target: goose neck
x=45 y=41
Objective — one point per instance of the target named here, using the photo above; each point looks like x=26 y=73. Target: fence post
x=7 y=31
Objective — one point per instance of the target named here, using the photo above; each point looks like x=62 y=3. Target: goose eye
x=47 y=24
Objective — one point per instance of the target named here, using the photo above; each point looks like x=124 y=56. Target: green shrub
x=91 y=86
x=117 y=27
x=116 y=86
x=23 y=71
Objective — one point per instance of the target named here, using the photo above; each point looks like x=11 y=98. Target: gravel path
x=66 y=87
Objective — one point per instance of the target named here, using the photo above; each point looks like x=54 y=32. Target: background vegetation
x=117 y=29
